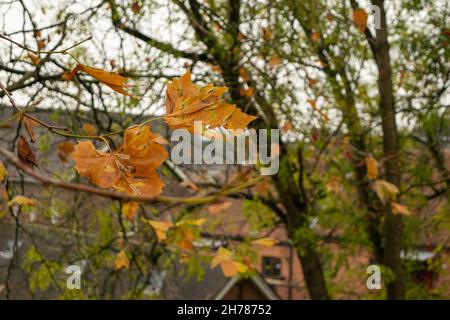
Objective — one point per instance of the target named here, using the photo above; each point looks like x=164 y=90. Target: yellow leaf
x=371 y=167
x=360 y=18
x=22 y=200
x=121 y=261
x=3 y=172
x=160 y=227
x=195 y=222
x=34 y=58
x=398 y=208
x=386 y=191
x=129 y=209
x=241 y=268
x=230 y=268
x=266 y=242
x=222 y=255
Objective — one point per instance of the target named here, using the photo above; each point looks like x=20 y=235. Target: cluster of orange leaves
x=132 y=167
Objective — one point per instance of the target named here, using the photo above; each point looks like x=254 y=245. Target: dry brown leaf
x=65 y=149
x=29 y=126
x=25 y=152
x=249 y=92
x=216 y=68
x=334 y=184
x=129 y=169
x=33 y=58
x=274 y=60
x=244 y=74
x=315 y=36
x=360 y=18
x=386 y=191
x=287 y=126
x=41 y=44
x=219 y=207
x=135 y=7
x=187 y=103
x=267 y=34
x=312 y=82
x=112 y=79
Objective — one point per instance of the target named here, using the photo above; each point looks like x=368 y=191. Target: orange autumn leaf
x=112 y=79
x=230 y=268
x=64 y=150
x=216 y=68
x=267 y=34
x=360 y=18
x=274 y=60
x=315 y=36
x=41 y=44
x=131 y=168
x=398 y=208
x=187 y=102
x=334 y=184
x=287 y=126
x=121 y=261
x=249 y=92
x=371 y=167
x=244 y=74
x=129 y=209
x=29 y=126
x=90 y=129
x=33 y=58
x=219 y=207
x=135 y=7
x=312 y=82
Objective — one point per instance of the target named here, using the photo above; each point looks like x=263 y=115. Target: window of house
x=271 y=267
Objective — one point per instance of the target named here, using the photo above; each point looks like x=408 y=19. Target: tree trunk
x=393 y=223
